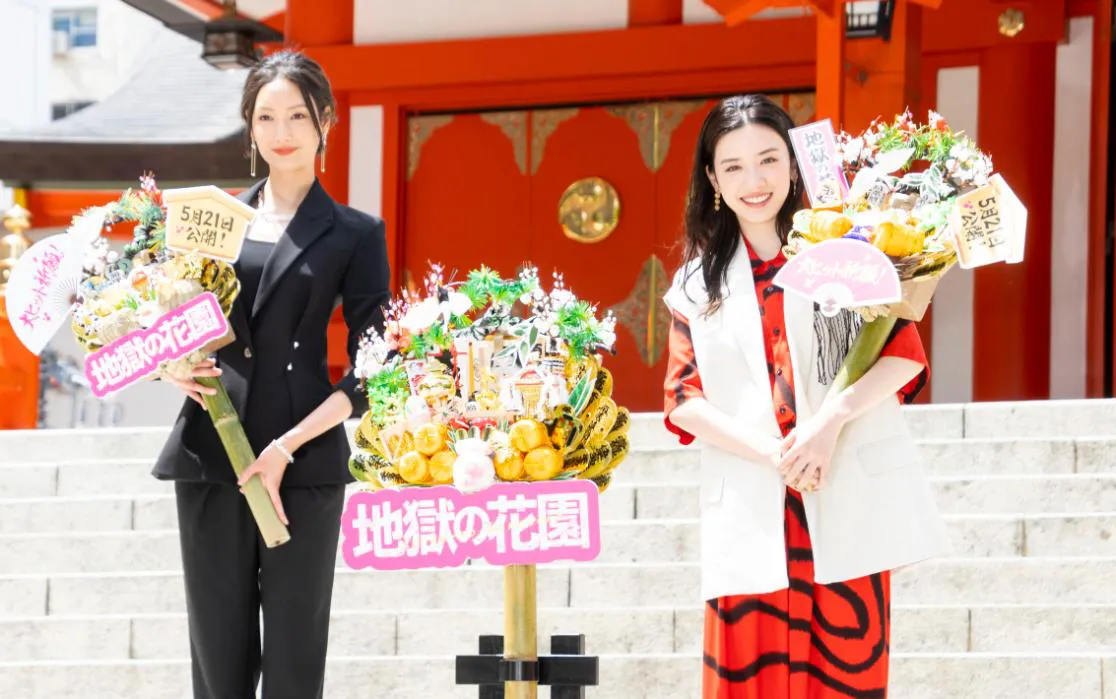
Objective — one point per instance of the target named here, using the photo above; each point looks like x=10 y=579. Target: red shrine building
x=504 y=131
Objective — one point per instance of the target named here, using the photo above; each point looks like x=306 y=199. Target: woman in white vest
x=809 y=498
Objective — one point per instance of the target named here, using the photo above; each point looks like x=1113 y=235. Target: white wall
x=25 y=55
x=366 y=159
x=262 y=9
x=93 y=73
x=1070 y=259
x=35 y=78
x=401 y=21
x=951 y=352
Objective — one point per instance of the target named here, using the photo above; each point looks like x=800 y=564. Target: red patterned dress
x=809 y=641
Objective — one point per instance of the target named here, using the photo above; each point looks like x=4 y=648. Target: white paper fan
x=89 y=225
x=41 y=289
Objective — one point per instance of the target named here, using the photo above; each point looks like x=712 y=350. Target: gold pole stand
x=520 y=625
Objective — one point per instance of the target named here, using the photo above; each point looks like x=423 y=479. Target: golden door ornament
x=544 y=123
x=589 y=210
x=654 y=124
x=419 y=131
x=644 y=313
x=514 y=126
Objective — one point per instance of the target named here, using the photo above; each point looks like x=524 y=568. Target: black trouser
x=230 y=576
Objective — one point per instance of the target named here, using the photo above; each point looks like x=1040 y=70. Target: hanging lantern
x=869 y=19
x=230 y=42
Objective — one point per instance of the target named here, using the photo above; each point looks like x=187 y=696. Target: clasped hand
x=806 y=452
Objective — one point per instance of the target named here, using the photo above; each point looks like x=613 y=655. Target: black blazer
x=276 y=371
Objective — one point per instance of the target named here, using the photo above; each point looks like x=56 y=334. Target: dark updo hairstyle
x=714 y=236
x=305 y=73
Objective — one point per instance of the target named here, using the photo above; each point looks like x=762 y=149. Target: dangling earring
x=716 y=201
x=323 y=154
x=253 y=170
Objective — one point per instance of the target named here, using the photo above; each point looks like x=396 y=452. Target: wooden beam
x=654 y=13
x=624 y=53
x=277 y=21
x=646 y=52
x=1095 y=384
x=56 y=208
x=312 y=23
x=205 y=9
x=736 y=11
x=596 y=90
x=1086 y=8
x=974 y=24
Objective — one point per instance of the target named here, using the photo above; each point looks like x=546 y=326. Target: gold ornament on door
x=589 y=210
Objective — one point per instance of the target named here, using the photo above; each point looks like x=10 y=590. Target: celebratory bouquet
x=488 y=380
x=923 y=195
x=159 y=310
x=119 y=294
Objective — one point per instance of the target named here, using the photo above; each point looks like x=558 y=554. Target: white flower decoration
x=473 y=470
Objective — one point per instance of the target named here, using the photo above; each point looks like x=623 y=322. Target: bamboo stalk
x=240 y=453
x=864 y=352
x=520 y=625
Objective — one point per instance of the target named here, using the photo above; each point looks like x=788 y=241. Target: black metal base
x=568 y=671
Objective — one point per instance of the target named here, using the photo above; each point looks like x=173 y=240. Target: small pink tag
x=174 y=335
x=441 y=527
x=842 y=273
x=815 y=148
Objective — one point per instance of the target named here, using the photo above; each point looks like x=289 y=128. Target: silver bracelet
x=282 y=450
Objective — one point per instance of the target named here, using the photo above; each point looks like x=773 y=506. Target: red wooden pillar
x=1098 y=197
x=830 y=82
x=884 y=78
x=19 y=368
x=19 y=380
x=653 y=13
x=395 y=168
x=1011 y=337
x=315 y=23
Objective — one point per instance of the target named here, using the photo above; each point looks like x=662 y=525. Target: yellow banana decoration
x=601 y=422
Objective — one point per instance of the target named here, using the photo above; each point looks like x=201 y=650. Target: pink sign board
x=441 y=527
x=815 y=149
x=138 y=354
x=842 y=273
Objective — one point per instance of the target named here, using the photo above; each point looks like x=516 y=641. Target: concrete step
x=954 y=582
x=655 y=484
x=916 y=629
x=1029 y=419
x=941 y=457
x=1071 y=418
x=976 y=495
x=623 y=541
x=913 y=676
x=81 y=478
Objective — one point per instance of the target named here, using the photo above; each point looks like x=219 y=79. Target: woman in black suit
x=304 y=253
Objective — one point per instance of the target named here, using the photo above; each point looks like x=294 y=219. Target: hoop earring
x=323 y=156
x=252 y=171
x=716 y=201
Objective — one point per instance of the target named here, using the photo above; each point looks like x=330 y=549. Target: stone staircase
x=92 y=606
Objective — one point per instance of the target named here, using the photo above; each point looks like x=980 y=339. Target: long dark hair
x=304 y=72
x=714 y=236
